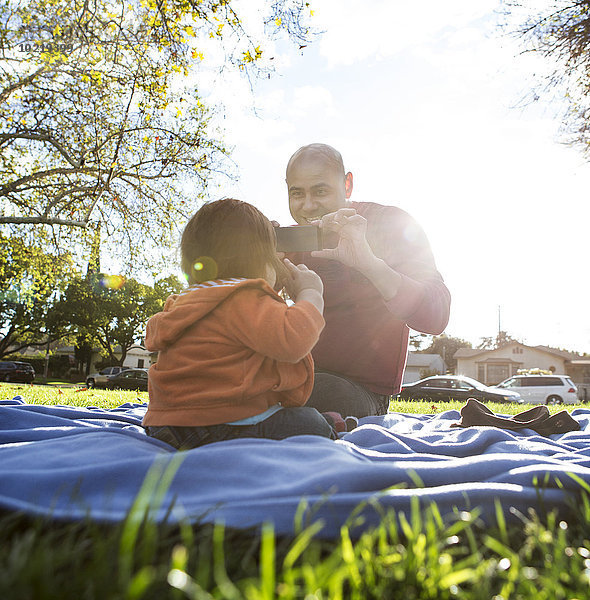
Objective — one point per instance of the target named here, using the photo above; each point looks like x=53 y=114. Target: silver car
x=100 y=379
x=542 y=389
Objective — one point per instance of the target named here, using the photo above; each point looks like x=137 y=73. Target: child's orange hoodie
x=228 y=350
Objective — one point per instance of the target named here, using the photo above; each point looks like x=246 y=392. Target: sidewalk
x=59 y=384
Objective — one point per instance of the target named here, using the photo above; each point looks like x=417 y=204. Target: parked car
x=444 y=388
x=542 y=389
x=130 y=379
x=16 y=371
x=100 y=379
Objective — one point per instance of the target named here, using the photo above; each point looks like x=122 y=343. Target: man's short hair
x=330 y=154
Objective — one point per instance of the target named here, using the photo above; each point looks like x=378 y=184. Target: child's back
x=229 y=349
x=234 y=360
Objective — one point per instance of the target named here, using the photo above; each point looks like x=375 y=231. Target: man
x=380 y=280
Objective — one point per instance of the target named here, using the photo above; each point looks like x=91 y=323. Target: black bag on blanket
x=474 y=413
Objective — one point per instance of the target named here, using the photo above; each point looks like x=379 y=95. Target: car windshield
x=512 y=382
x=473 y=383
x=451 y=382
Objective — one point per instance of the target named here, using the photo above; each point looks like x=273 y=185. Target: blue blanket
x=71 y=463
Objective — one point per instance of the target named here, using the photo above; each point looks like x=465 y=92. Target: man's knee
x=331 y=380
x=310 y=422
x=331 y=388
x=335 y=393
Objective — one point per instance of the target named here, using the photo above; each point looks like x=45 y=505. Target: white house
x=493 y=366
x=137 y=356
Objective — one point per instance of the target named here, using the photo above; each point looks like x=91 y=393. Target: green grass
x=420 y=407
x=409 y=556
x=71 y=396
x=80 y=396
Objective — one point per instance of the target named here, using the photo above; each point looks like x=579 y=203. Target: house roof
x=65 y=349
x=116 y=349
x=500 y=360
x=470 y=352
x=418 y=359
x=563 y=353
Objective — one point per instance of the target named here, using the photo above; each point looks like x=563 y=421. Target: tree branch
x=69 y=192
x=13 y=185
x=5 y=93
x=42 y=137
x=43 y=221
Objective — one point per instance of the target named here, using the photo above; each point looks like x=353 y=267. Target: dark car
x=444 y=388
x=16 y=371
x=130 y=379
x=95 y=380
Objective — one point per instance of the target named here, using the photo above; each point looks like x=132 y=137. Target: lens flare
x=204 y=269
x=112 y=282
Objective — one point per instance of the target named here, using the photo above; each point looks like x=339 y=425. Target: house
x=137 y=356
x=579 y=370
x=493 y=366
x=421 y=365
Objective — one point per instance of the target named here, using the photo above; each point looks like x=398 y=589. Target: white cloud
x=382 y=28
x=310 y=98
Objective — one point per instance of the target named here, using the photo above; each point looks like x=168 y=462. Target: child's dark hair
x=228 y=238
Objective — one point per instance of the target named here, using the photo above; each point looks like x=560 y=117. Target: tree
x=491 y=343
x=446 y=347
x=101 y=119
x=417 y=339
x=560 y=31
x=30 y=283
x=83 y=353
x=113 y=311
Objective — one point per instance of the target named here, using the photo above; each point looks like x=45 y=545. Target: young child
x=234 y=360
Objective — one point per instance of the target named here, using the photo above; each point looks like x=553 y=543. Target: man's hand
x=353 y=249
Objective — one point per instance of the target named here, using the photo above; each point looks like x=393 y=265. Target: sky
x=425 y=101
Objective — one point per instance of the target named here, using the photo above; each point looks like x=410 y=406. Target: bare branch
x=43 y=221
x=69 y=192
x=41 y=137
x=561 y=34
x=6 y=92
x=14 y=185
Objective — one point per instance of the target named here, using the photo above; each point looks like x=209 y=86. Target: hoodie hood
x=182 y=311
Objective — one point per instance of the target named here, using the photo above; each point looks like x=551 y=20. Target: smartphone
x=299 y=238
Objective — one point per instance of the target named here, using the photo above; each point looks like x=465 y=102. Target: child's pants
x=287 y=422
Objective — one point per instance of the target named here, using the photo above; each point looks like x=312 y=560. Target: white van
x=542 y=389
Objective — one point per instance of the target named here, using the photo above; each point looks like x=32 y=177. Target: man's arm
x=413 y=290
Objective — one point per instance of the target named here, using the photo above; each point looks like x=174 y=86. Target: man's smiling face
x=316 y=187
